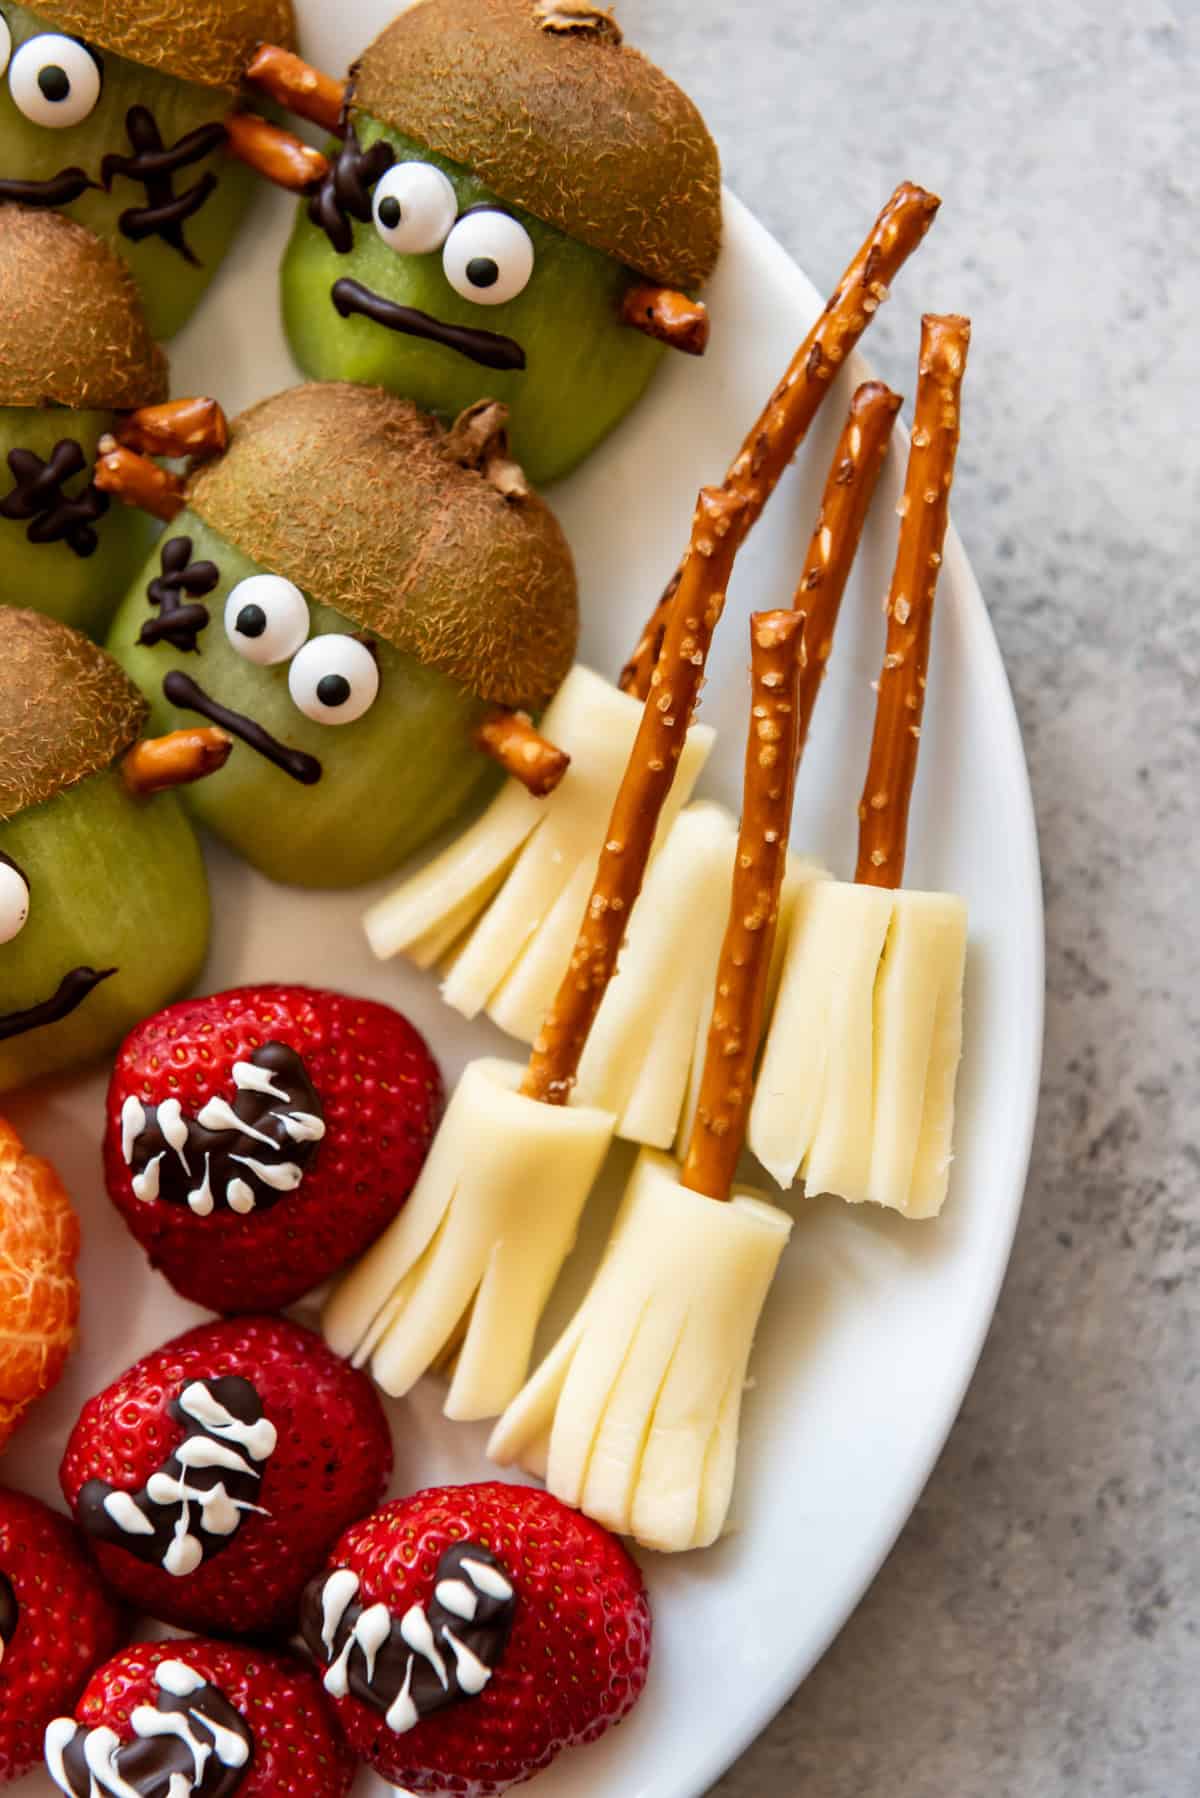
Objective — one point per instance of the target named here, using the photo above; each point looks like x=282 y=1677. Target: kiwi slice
x=171 y=278
x=584 y=370
x=388 y=782
x=80 y=590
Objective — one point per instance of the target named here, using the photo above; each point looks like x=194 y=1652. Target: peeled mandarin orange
x=39 y=1294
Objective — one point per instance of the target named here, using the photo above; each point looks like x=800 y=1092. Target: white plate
x=874 y=1325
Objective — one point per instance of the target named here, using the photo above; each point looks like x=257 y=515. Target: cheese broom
x=468 y=1265
x=532 y=858
x=647 y=1046
x=856 y=1090
x=633 y=1417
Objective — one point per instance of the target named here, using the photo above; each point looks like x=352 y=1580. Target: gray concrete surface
x=1035 y=1631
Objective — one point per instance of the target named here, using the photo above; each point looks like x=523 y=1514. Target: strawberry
x=241 y=1721
x=212 y=1477
x=56 y=1623
x=259 y=1139
x=511 y=1628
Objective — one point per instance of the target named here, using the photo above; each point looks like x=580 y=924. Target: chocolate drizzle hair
x=154 y=165
x=176 y=623
x=37 y=496
x=344 y=194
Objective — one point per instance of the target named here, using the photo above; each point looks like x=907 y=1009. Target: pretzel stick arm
x=674 y=691
x=296 y=86
x=781 y=428
x=925 y=512
x=138 y=481
x=511 y=740
x=671 y=317
x=727 y=1082
x=193 y=427
x=275 y=153
x=849 y=489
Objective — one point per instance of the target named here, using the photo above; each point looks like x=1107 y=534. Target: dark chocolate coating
x=149 y=1764
x=262 y=1112
x=73 y=989
x=485 y=347
x=486 y=1635
x=10 y=1612
x=184 y=694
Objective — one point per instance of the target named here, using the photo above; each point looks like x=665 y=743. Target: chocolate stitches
x=344 y=194
x=190 y=1743
x=216 y=1467
x=434 y=1656
x=176 y=623
x=37 y=496
x=155 y=166
x=10 y=1614
x=247 y=1155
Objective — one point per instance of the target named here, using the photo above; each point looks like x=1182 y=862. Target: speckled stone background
x=1035 y=1631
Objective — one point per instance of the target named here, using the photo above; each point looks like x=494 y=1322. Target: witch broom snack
x=644 y=1055
x=517 y=200
x=56 y=1622
x=39 y=1293
x=212 y=1477
x=351 y=591
x=468 y=1266
x=468 y=1634
x=77 y=362
x=260 y=1139
x=199 y=1719
x=534 y=862
x=856 y=1091
x=633 y=1416
x=103 y=896
x=123 y=115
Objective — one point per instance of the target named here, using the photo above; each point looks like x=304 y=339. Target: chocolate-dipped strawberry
x=103 y=897
x=77 y=364
x=351 y=590
x=517 y=201
x=122 y=113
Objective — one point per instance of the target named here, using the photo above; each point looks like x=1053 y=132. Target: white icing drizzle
x=133 y=1122
x=260 y=1439
x=283 y=1176
x=219 y=1114
x=203 y=1736
x=337 y=1595
x=240 y=1197
x=248 y=1078
x=414 y=1627
x=145 y=1184
x=126 y=1516
x=175 y=1131
x=302 y=1126
x=456 y=1595
x=471 y=1672
x=200 y=1199
x=486 y=1579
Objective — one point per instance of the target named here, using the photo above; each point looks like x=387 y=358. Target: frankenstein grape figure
x=520 y=207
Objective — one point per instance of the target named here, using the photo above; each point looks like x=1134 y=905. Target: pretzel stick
x=297 y=86
x=783 y=425
x=194 y=427
x=157 y=764
x=511 y=740
x=274 y=153
x=849 y=488
x=727 y=1082
x=924 y=515
x=138 y=481
x=671 y=317
x=666 y=718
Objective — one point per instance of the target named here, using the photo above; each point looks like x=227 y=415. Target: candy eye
x=5 y=44
x=488 y=257
x=415 y=207
x=54 y=80
x=334 y=680
x=14 y=900
x=266 y=619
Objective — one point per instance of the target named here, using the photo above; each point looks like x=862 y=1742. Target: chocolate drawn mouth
x=486 y=347
x=59 y=190
x=73 y=989
x=186 y=696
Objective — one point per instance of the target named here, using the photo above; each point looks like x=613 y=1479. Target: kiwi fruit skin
x=170 y=287
x=82 y=591
x=390 y=781
x=371 y=507
x=113 y=882
x=208 y=41
x=569 y=122
x=585 y=369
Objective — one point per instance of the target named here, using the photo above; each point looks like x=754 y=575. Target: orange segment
x=39 y=1294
